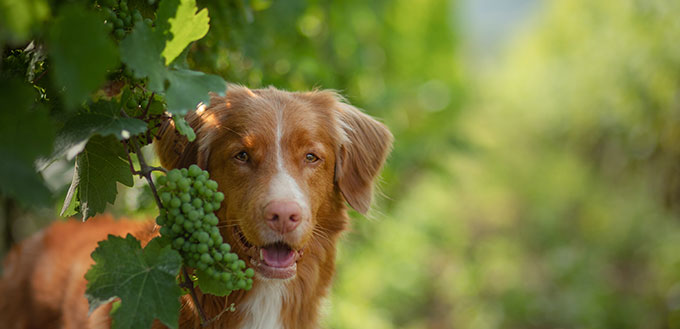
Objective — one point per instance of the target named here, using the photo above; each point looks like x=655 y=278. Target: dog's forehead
x=264 y=112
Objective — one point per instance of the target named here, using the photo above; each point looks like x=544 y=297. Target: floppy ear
x=361 y=155
x=175 y=151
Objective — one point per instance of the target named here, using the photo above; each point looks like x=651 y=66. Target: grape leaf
x=28 y=135
x=186 y=26
x=184 y=128
x=82 y=53
x=211 y=286
x=101 y=164
x=141 y=51
x=188 y=88
x=103 y=120
x=143 y=279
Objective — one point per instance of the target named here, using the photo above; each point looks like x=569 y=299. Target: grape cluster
x=189 y=198
x=120 y=18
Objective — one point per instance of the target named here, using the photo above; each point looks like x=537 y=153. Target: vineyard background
x=535 y=180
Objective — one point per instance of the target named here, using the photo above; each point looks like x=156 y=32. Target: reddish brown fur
x=352 y=148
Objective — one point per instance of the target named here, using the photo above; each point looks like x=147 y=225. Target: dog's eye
x=241 y=156
x=311 y=158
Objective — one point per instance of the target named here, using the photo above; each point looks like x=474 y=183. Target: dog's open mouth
x=275 y=260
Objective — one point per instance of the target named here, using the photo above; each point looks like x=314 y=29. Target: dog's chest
x=263 y=309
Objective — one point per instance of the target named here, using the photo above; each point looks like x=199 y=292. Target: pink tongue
x=278 y=256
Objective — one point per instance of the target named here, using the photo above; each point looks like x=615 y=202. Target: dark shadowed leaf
x=188 y=88
x=103 y=119
x=141 y=51
x=26 y=133
x=81 y=51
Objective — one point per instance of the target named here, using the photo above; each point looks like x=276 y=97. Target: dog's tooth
x=261 y=255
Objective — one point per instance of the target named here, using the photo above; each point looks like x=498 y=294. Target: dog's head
x=286 y=162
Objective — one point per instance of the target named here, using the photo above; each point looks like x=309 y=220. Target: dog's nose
x=283 y=216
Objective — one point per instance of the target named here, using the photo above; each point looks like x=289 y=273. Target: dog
x=287 y=163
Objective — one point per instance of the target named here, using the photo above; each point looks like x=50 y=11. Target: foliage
x=562 y=213
x=137 y=276
x=115 y=72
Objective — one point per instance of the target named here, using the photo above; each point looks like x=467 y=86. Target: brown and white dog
x=286 y=162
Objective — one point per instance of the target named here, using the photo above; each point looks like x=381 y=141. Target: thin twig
x=187 y=283
x=146 y=109
x=127 y=151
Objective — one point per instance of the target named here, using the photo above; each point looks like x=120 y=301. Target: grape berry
x=190 y=198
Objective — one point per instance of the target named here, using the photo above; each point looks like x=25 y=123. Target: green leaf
x=21 y=181
x=103 y=119
x=186 y=26
x=167 y=9
x=141 y=51
x=82 y=53
x=143 y=279
x=26 y=134
x=101 y=164
x=184 y=128
x=211 y=286
x=189 y=88
x=20 y=16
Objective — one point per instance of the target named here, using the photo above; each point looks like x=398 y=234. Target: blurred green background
x=535 y=179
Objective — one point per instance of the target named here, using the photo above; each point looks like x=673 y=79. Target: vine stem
x=145 y=171
x=187 y=283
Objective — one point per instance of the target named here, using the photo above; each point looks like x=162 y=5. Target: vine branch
x=145 y=171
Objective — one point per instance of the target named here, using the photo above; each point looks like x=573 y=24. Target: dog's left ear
x=361 y=155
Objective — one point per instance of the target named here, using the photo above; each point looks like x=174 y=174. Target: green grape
x=175 y=203
x=137 y=16
x=211 y=184
x=194 y=171
x=188 y=222
x=207 y=207
x=166 y=197
x=197 y=203
x=119 y=33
